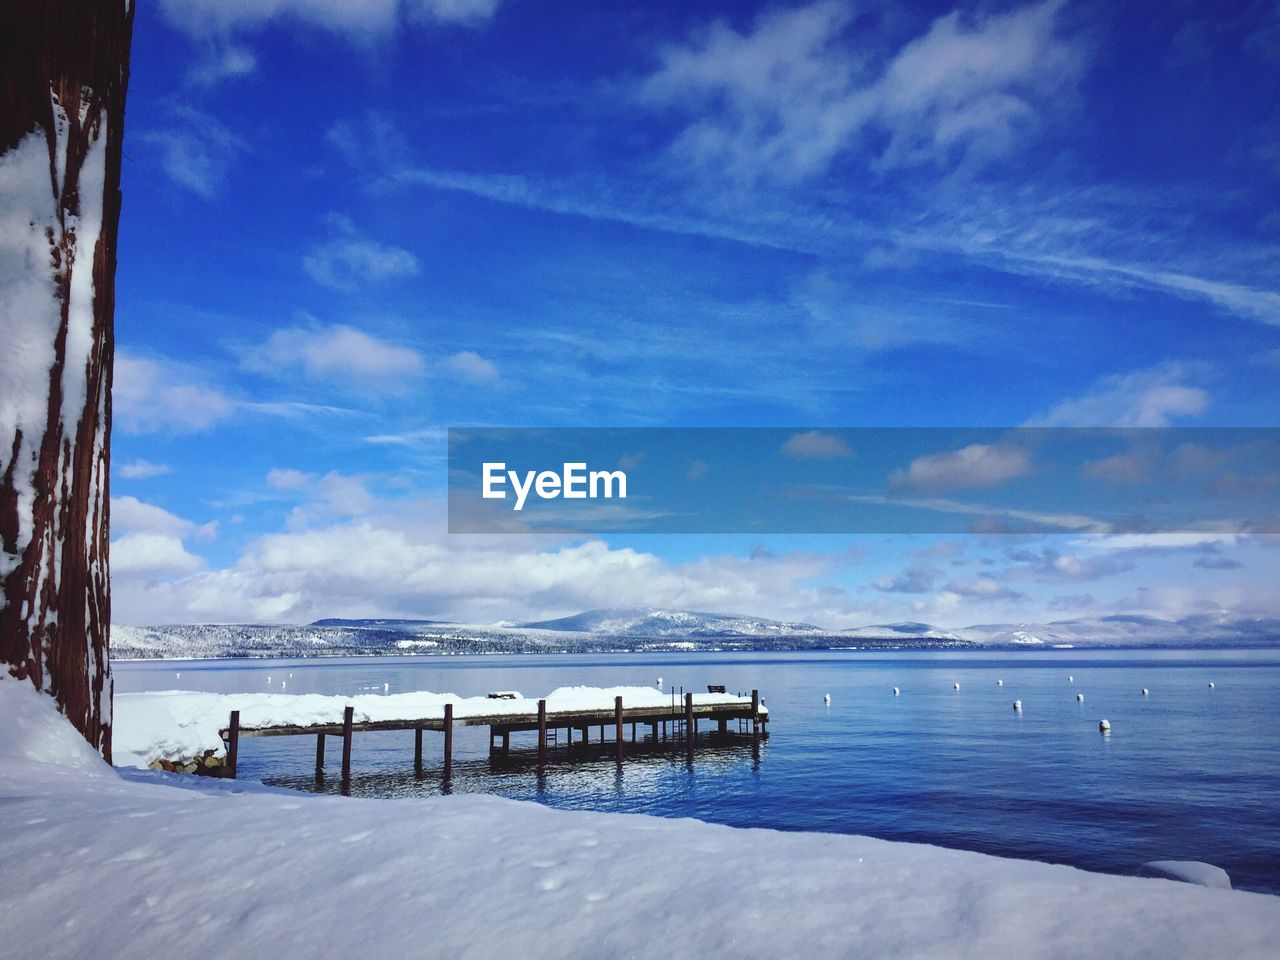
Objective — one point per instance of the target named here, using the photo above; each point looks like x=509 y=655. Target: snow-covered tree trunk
x=64 y=69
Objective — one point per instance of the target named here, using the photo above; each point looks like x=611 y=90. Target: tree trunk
x=64 y=69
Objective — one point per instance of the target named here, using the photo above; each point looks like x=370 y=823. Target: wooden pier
x=669 y=722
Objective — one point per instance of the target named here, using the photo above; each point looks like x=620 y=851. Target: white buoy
x=386 y=687
x=1017 y=705
x=827 y=698
x=1146 y=692
x=1071 y=679
x=178 y=675
x=896 y=691
x=1104 y=725
x=999 y=683
x=291 y=676
x=282 y=683
x=956 y=685
x=1080 y=697
x=659 y=681
x=268 y=678
x=1210 y=684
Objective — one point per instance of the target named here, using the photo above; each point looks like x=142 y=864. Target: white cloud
x=150 y=395
x=1153 y=397
x=975 y=85
x=337 y=353
x=1133 y=467
x=1050 y=565
x=196 y=151
x=471 y=366
x=975 y=466
x=151 y=554
x=983 y=588
x=282 y=478
x=203 y=18
x=433 y=437
x=223 y=61
x=350 y=259
x=345 y=553
x=917 y=578
x=131 y=515
x=787 y=97
x=1236 y=299
x=149 y=540
x=451 y=11
x=815 y=445
x=142 y=469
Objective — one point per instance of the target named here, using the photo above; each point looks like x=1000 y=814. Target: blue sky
x=352 y=224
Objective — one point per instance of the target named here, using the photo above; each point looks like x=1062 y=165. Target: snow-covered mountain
x=1127 y=630
x=651 y=629
x=901 y=631
x=656 y=622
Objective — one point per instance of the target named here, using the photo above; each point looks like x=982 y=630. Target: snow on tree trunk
x=64 y=69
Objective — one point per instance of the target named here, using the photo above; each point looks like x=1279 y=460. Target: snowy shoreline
x=234 y=870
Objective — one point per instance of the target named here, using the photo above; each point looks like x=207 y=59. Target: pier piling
x=542 y=734
x=617 y=726
x=233 y=744
x=348 y=717
x=690 y=725
x=666 y=724
x=448 y=740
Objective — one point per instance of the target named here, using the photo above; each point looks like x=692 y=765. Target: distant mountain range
x=653 y=622
x=652 y=629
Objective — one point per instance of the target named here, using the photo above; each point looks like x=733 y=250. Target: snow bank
x=179 y=725
x=33 y=744
x=1188 y=871
x=131 y=866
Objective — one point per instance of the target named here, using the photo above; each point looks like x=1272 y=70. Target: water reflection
x=584 y=777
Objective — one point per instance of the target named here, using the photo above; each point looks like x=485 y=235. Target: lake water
x=1188 y=772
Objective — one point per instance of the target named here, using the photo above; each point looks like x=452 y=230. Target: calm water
x=1188 y=772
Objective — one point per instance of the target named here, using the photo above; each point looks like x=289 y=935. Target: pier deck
x=678 y=719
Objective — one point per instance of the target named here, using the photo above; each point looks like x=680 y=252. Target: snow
x=180 y=725
x=29 y=317
x=130 y=864
x=1188 y=871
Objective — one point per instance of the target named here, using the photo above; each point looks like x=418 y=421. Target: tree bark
x=64 y=70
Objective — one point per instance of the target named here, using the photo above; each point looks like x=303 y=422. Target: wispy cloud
x=349 y=258
x=149 y=540
x=469 y=365
x=199 y=17
x=151 y=395
x=991 y=518
x=1152 y=397
x=141 y=469
x=786 y=98
x=196 y=150
x=916 y=578
x=976 y=466
x=816 y=445
x=338 y=353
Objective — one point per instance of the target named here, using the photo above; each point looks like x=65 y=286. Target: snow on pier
x=188 y=730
